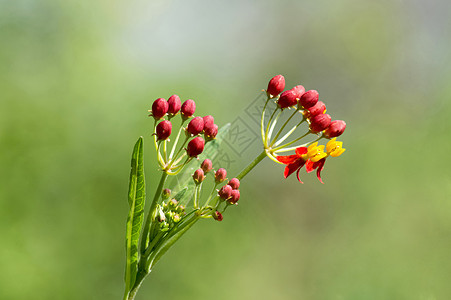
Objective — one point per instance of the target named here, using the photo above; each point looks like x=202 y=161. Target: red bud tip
x=234 y=183
x=198 y=176
x=225 y=192
x=319 y=122
x=318 y=108
x=287 y=99
x=234 y=197
x=208 y=121
x=195 y=147
x=159 y=108
x=163 y=130
x=174 y=104
x=195 y=126
x=166 y=193
x=309 y=99
x=336 y=128
x=220 y=175
x=211 y=131
x=206 y=165
x=298 y=90
x=217 y=216
x=188 y=108
x=276 y=85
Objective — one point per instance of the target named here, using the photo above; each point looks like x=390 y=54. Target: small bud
x=317 y=109
x=173 y=203
x=220 y=175
x=217 y=216
x=174 y=104
x=276 y=85
x=195 y=126
x=206 y=165
x=188 y=108
x=225 y=192
x=336 y=128
x=166 y=193
x=309 y=99
x=163 y=130
x=208 y=121
x=319 y=122
x=234 y=183
x=298 y=91
x=176 y=218
x=211 y=131
x=195 y=147
x=287 y=99
x=234 y=197
x=198 y=176
x=159 y=108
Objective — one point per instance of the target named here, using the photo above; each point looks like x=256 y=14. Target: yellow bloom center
x=315 y=152
x=334 y=148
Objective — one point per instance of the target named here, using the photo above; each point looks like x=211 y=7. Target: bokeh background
x=77 y=78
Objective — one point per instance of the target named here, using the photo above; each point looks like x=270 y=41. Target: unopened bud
x=195 y=147
x=234 y=197
x=188 y=108
x=173 y=203
x=336 y=128
x=225 y=192
x=217 y=216
x=163 y=130
x=176 y=218
x=309 y=99
x=317 y=109
x=166 y=193
x=208 y=121
x=287 y=99
x=174 y=104
x=234 y=183
x=319 y=122
x=206 y=165
x=276 y=85
x=211 y=131
x=195 y=126
x=198 y=176
x=159 y=108
x=220 y=175
x=298 y=91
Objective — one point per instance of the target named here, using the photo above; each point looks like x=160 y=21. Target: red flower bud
x=287 y=99
x=225 y=192
x=195 y=147
x=174 y=104
x=220 y=175
x=319 y=123
x=309 y=99
x=198 y=176
x=317 y=109
x=208 y=121
x=188 y=108
x=206 y=165
x=298 y=90
x=195 y=126
x=163 y=130
x=159 y=108
x=336 y=128
x=276 y=85
x=217 y=216
x=234 y=183
x=234 y=197
x=211 y=131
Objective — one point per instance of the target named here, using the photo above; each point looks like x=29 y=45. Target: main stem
x=252 y=165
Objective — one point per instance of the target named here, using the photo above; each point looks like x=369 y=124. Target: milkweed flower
x=334 y=149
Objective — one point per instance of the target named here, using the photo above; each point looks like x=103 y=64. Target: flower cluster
x=198 y=131
x=309 y=109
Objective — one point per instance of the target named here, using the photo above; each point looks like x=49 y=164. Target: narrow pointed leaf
x=136 y=199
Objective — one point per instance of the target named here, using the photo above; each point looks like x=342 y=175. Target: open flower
x=334 y=149
x=296 y=161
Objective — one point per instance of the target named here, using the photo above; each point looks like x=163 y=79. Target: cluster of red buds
x=198 y=131
x=309 y=109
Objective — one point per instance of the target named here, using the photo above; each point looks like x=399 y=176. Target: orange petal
x=301 y=150
x=288 y=159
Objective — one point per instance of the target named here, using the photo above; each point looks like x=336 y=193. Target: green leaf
x=211 y=151
x=136 y=200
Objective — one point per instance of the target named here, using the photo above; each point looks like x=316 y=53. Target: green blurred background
x=77 y=78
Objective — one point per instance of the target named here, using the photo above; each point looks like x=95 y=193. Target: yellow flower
x=334 y=148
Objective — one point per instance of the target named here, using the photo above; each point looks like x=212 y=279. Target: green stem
x=145 y=232
x=283 y=127
x=252 y=165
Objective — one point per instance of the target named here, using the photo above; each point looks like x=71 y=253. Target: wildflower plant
x=173 y=211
